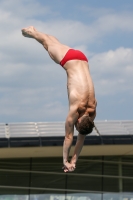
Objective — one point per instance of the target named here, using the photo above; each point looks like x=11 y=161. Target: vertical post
x=102 y=188
x=120 y=179
x=7 y=134
x=66 y=187
x=30 y=176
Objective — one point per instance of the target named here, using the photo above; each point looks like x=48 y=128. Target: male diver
x=81 y=94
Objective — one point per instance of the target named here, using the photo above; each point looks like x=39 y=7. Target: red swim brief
x=73 y=55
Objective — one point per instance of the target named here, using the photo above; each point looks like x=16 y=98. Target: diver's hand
x=69 y=167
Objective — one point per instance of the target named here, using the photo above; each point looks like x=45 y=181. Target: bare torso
x=80 y=87
x=79 y=82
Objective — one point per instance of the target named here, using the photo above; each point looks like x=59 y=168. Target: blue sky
x=33 y=87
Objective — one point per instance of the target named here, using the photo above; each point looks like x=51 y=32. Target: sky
x=33 y=87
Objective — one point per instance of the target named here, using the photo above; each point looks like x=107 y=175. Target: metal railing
x=44 y=129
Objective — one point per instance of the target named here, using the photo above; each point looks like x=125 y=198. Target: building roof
x=52 y=133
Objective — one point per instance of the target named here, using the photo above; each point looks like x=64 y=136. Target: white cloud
x=32 y=104
x=113 y=71
x=24 y=8
x=108 y=19
x=113 y=22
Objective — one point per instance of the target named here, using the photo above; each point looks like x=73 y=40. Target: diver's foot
x=28 y=32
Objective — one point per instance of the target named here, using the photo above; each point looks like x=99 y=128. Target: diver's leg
x=42 y=38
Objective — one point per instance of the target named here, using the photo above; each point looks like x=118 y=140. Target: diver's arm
x=78 y=148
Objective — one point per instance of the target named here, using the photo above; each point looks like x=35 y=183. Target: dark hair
x=86 y=126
